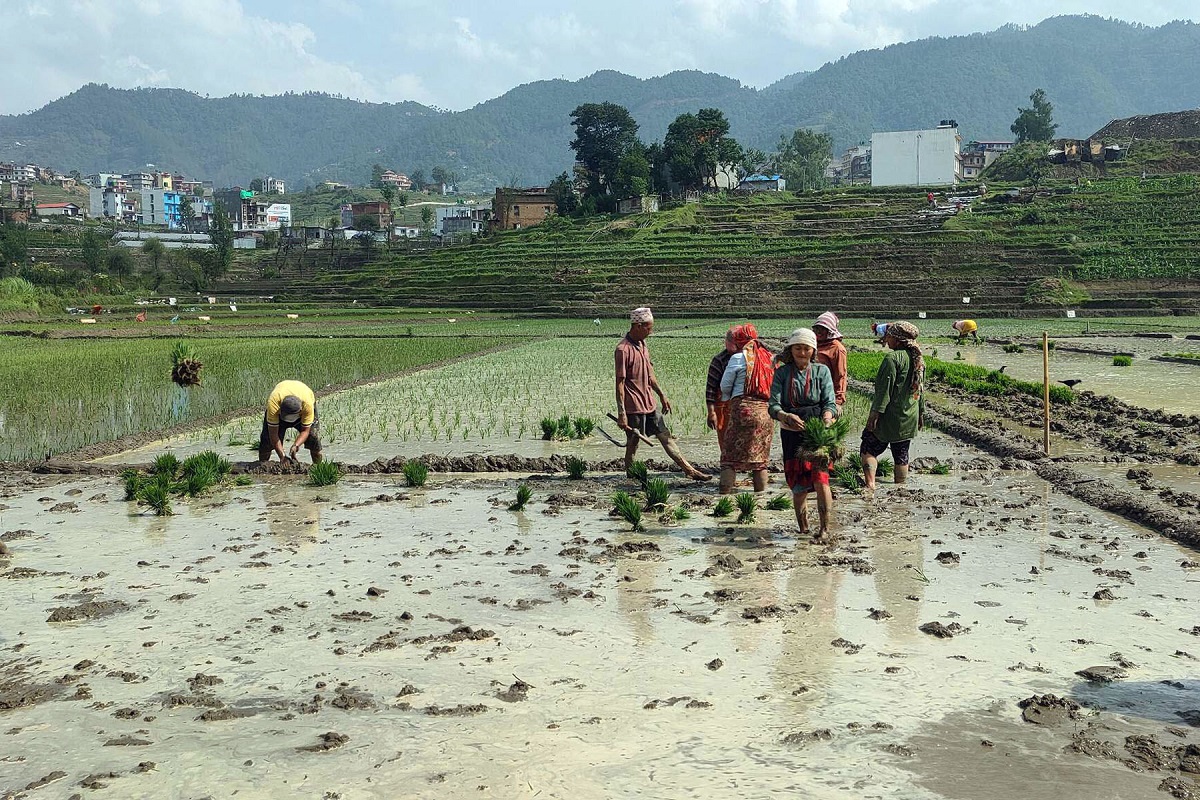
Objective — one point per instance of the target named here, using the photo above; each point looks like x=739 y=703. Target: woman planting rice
x=898 y=407
x=746 y=386
x=832 y=353
x=801 y=398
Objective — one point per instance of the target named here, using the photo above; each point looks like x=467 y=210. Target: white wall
x=915 y=158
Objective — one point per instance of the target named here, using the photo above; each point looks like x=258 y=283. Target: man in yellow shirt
x=966 y=327
x=291 y=405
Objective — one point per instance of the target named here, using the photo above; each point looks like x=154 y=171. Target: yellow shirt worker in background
x=291 y=405
x=965 y=328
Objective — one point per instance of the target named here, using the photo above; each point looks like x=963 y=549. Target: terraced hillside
x=1131 y=244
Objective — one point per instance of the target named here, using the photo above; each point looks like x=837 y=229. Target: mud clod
x=330 y=740
x=92 y=609
x=941 y=631
x=1102 y=674
x=1048 y=709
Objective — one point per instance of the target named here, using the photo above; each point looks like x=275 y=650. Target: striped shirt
x=716 y=368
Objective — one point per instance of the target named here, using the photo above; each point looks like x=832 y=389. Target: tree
x=440 y=176
x=802 y=159
x=14 y=245
x=187 y=214
x=604 y=133
x=92 y=250
x=418 y=179
x=366 y=222
x=155 y=249
x=565 y=201
x=697 y=146
x=256 y=184
x=188 y=267
x=388 y=192
x=633 y=173
x=402 y=199
x=271 y=239
x=755 y=161
x=427 y=219
x=1036 y=123
x=335 y=222
x=377 y=171
x=221 y=234
x=119 y=262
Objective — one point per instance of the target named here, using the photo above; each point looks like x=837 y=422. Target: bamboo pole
x=1046 y=392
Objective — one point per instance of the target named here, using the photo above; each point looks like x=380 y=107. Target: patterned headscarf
x=906 y=334
x=640 y=315
x=829 y=321
x=760 y=369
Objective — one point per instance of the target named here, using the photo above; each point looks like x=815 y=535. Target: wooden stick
x=604 y=433
x=640 y=435
x=1046 y=392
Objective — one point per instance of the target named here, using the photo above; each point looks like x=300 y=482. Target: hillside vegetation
x=1118 y=244
x=1094 y=70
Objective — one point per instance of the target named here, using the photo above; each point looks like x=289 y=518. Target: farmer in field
x=964 y=328
x=746 y=387
x=802 y=395
x=718 y=409
x=291 y=405
x=898 y=407
x=878 y=329
x=637 y=412
x=832 y=353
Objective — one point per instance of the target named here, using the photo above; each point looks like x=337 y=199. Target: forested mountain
x=1092 y=69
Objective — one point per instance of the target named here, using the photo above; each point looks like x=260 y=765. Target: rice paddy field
x=985 y=631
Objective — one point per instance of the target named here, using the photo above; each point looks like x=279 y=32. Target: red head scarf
x=760 y=369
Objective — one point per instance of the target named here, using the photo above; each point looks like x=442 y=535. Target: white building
x=279 y=215
x=274 y=185
x=106 y=203
x=916 y=158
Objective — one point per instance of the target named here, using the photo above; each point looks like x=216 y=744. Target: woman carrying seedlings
x=746 y=387
x=898 y=408
x=802 y=398
x=718 y=409
x=832 y=353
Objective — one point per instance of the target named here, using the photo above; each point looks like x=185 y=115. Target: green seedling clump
x=780 y=502
x=681 y=514
x=166 y=464
x=549 y=428
x=243 y=480
x=133 y=483
x=1013 y=347
x=415 y=473
x=185 y=367
x=157 y=496
x=724 y=507
x=1122 y=361
x=940 y=468
x=846 y=477
x=576 y=466
x=583 y=427
x=657 y=493
x=747 y=504
x=523 y=495
x=200 y=479
x=639 y=472
x=324 y=473
x=628 y=509
x=885 y=468
x=824 y=442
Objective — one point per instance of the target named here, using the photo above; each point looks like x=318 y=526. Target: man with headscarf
x=636 y=386
x=897 y=410
x=291 y=405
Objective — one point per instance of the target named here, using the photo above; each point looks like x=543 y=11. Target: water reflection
x=293 y=517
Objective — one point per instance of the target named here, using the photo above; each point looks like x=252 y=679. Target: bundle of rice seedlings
x=166 y=464
x=243 y=480
x=822 y=444
x=576 y=466
x=724 y=507
x=549 y=428
x=657 y=493
x=940 y=468
x=134 y=481
x=747 y=504
x=1122 y=361
x=200 y=479
x=628 y=509
x=563 y=428
x=885 y=468
x=523 y=495
x=156 y=495
x=639 y=472
x=583 y=427
x=185 y=367
x=846 y=477
x=681 y=514
x=854 y=461
x=207 y=460
x=780 y=502
x=415 y=473
x=324 y=473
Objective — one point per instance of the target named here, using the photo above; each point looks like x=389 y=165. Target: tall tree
x=119 y=262
x=1036 y=123
x=418 y=179
x=604 y=133
x=633 y=173
x=802 y=158
x=388 y=193
x=402 y=199
x=377 y=171
x=697 y=146
x=565 y=201
x=155 y=249
x=187 y=214
x=221 y=233
x=92 y=250
x=440 y=176
x=427 y=219
x=256 y=184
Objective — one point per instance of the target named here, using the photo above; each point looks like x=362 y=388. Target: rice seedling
x=747 y=504
x=639 y=472
x=324 y=473
x=723 y=507
x=208 y=460
x=185 y=367
x=243 y=480
x=780 y=502
x=133 y=483
x=681 y=514
x=157 y=496
x=166 y=464
x=940 y=468
x=885 y=468
x=549 y=428
x=657 y=493
x=583 y=427
x=628 y=509
x=199 y=479
x=1122 y=361
x=846 y=477
x=415 y=473
x=823 y=443
x=576 y=466
x=854 y=461
x=523 y=495
x=1013 y=347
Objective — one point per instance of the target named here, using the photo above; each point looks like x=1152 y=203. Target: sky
x=456 y=54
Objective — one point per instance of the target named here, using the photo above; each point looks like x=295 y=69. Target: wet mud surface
x=977 y=634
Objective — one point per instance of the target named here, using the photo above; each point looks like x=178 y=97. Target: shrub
x=576 y=466
x=628 y=509
x=523 y=495
x=415 y=473
x=657 y=493
x=747 y=504
x=324 y=473
x=1122 y=361
x=724 y=507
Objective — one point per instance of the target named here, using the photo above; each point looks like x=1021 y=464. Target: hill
x=1093 y=69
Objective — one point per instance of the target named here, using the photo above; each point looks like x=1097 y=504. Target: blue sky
x=457 y=54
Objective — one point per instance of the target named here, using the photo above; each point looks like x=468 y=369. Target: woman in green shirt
x=898 y=408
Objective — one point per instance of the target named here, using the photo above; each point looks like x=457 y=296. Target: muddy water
x=1150 y=384
x=259 y=595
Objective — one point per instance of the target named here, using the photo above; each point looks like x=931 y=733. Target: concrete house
x=58 y=210
x=160 y=207
x=521 y=208
x=927 y=157
x=762 y=183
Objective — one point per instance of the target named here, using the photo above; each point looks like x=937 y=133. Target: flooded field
x=368 y=640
